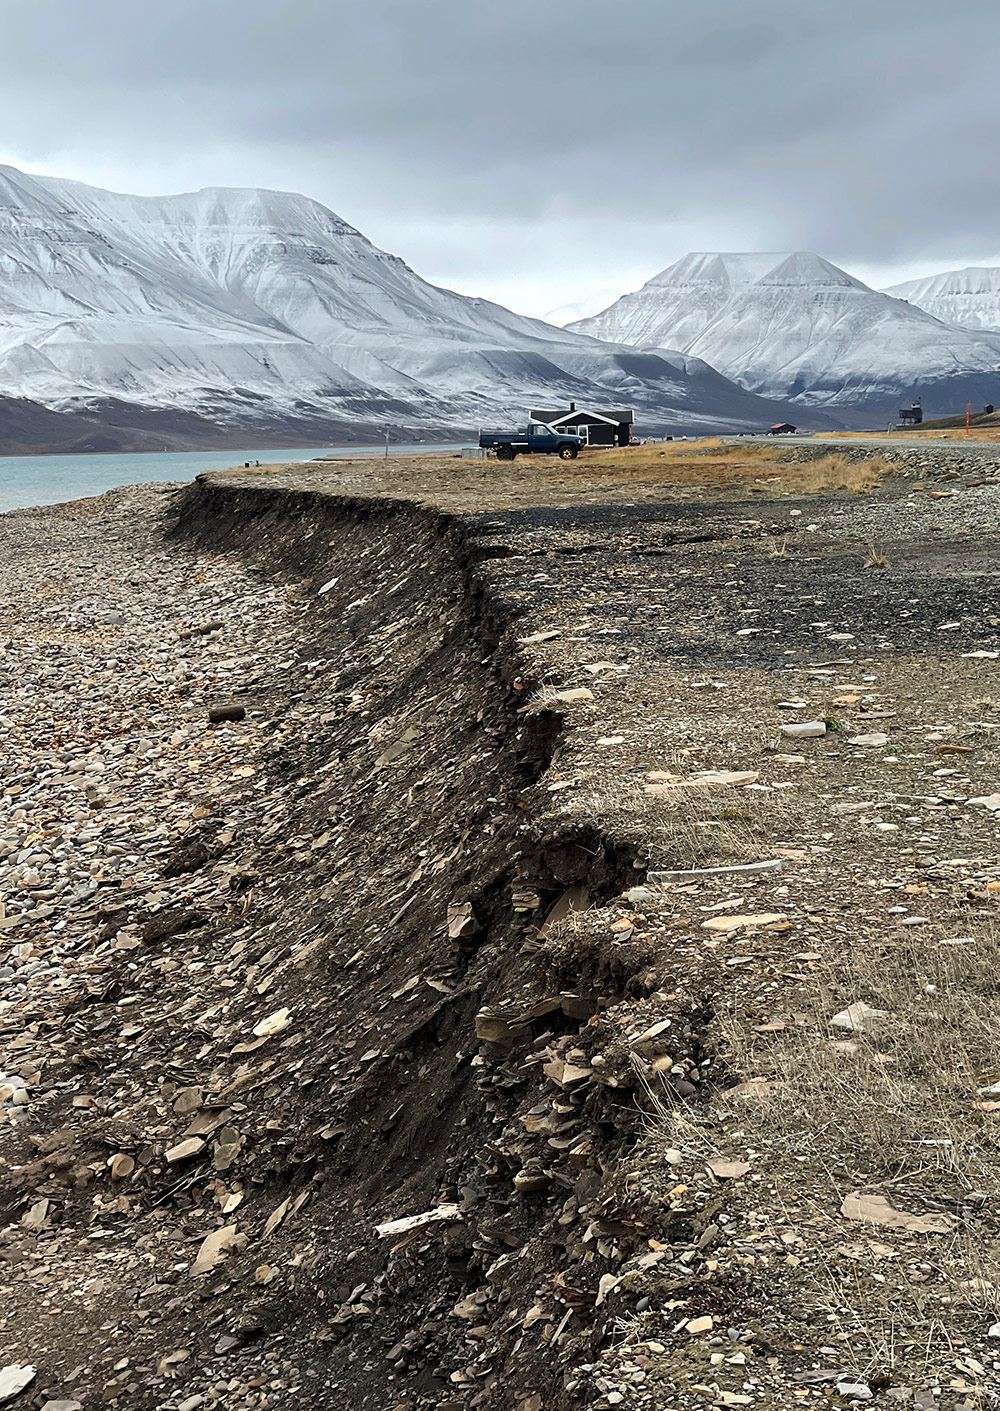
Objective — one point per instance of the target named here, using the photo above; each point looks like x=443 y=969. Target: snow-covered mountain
x=795 y=326
x=261 y=309
x=680 y=302
x=969 y=297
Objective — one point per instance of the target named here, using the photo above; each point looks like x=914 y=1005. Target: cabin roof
x=561 y=414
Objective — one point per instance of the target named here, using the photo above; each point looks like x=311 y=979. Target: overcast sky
x=544 y=153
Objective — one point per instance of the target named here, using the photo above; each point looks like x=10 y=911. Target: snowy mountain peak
x=810 y=271
x=703 y=267
x=796 y=326
x=236 y=206
x=969 y=297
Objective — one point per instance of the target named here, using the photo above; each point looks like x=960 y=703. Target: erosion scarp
x=252 y=1029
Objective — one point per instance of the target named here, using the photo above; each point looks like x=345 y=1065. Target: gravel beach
x=114 y=648
x=111 y=658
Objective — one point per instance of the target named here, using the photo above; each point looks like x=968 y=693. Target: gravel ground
x=112 y=657
x=751 y=1160
x=115 y=647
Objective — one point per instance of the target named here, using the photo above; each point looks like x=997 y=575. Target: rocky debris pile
x=962 y=464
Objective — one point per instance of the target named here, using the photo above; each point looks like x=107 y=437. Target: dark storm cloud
x=537 y=144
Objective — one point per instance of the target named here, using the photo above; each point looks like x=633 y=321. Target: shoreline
x=35 y=480
x=374 y=445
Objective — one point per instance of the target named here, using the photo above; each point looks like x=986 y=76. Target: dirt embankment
x=426 y=1007
x=313 y=1003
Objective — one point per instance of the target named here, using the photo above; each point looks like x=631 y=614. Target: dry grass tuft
x=759 y=467
x=836 y=472
x=913 y=1077
x=694 y=827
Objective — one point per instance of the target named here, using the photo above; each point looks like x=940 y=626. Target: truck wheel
x=505 y=453
x=568 y=453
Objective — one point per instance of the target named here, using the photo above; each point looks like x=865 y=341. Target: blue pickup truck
x=536 y=439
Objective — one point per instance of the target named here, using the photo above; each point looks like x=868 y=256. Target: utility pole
x=968 y=418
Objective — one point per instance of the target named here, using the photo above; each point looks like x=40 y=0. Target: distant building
x=605 y=428
x=782 y=428
x=911 y=416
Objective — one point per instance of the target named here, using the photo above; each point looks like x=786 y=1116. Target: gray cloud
x=542 y=150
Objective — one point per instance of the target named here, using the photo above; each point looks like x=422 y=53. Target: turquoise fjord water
x=46 y=480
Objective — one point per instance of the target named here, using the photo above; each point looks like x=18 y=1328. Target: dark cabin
x=911 y=416
x=601 y=428
x=782 y=428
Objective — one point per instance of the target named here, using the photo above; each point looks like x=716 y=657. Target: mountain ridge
x=968 y=297
x=794 y=326
x=259 y=308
